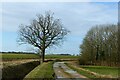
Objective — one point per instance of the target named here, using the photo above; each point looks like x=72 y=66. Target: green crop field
x=13 y=56
x=61 y=57
x=19 y=56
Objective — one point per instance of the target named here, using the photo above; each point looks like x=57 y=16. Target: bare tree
x=43 y=32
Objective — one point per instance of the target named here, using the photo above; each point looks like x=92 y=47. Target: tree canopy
x=100 y=45
x=43 y=32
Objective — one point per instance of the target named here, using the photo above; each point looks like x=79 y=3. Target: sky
x=78 y=17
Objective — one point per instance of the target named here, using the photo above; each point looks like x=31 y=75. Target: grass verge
x=42 y=71
x=94 y=72
x=84 y=73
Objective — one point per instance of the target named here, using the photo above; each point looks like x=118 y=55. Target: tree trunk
x=42 y=55
x=97 y=53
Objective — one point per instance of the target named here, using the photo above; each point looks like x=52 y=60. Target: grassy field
x=44 y=70
x=104 y=70
x=9 y=59
x=61 y=57
x=13 y=56
x=19 y=56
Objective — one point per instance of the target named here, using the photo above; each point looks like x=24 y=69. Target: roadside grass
x=19 y=56
x=96 y=71
x=45 y=70
x=84 y=73
x=104 y=70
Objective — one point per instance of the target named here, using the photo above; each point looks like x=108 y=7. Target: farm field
x=12 y=56
x=67 y=57
x=15 y=59
x=45 y=70
x=16 y=62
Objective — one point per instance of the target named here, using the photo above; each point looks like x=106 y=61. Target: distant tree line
x=12 y=52
x=100 y=46
x=64 y=54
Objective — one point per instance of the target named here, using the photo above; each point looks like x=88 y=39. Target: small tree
x=43 y=32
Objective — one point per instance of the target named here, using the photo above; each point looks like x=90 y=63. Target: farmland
x=16 y=62
x=60 y=40
x=15 y=59
x=12 y=56
x=67 y=57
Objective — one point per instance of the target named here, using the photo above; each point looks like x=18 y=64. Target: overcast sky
x=78 y=17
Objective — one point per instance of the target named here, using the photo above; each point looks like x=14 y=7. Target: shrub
x=82 y=61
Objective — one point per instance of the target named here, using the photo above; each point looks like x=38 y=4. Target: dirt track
x=63 y=71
